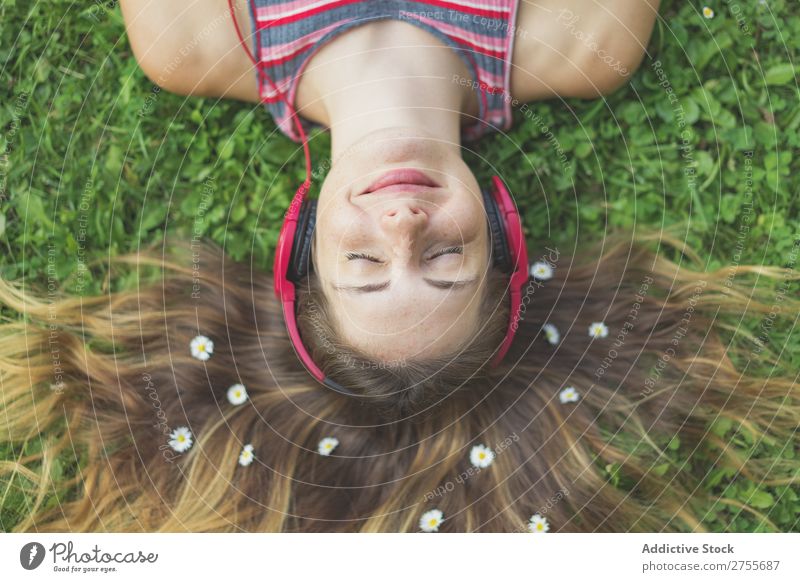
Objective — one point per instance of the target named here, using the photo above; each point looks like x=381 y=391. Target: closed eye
x=366 y=257
x=355 y=256
x=447 y=251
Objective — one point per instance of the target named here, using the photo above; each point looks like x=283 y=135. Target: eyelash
x=354 y=256
x=447 y=251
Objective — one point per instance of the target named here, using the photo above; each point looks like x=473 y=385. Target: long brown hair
x=98 y=383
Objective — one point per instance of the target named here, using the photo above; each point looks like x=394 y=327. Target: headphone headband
x=293 y=262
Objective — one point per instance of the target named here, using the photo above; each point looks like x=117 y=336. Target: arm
x=578 y=48
x=191 y=47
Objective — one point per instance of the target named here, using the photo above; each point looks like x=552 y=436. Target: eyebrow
x=438 y=283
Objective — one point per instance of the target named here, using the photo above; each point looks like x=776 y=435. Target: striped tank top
x=288 y=33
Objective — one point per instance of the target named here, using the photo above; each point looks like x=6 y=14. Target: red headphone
x=293 y=252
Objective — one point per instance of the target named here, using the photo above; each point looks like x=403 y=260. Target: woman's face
x=403 y=266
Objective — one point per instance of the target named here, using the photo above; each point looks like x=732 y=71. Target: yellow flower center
x=539 y=526
x=181 y=438
x=432 y=521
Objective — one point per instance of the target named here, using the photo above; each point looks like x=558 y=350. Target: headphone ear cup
x=497 y=230
x=300 y=262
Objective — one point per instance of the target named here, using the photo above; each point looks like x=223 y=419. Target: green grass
x=96 y=162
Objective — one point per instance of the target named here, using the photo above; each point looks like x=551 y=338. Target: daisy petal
x=327 y=445
x=431 y=520
x=568 y=394
x=246 y=456
x=538 y=524
x=541 y=270
x=481 y=456
x=201 y=347
x=181 y=439
x=598 y=329
x=237 y=394
x=551 y=333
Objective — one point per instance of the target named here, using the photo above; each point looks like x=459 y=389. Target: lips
x=401 y=180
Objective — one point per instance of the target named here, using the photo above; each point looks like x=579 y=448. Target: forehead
x=409 y=323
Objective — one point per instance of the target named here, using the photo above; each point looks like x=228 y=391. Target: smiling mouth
x=401 y=180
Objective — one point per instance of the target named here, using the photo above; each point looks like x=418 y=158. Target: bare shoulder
x=191 y=47
x=578 y=48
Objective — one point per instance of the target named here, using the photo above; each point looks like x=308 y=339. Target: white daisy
x=541 y=270
x=246 y=456
x=538 y=524
x=708 y=12
x=551 y=333
x=237 y=394
x=431 y=520
x=326 y=445
x=181 y=439
x=481 y=456
x=202 y=347
x=568 y=394
x=598 y=329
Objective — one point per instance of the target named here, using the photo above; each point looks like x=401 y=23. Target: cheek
x=345 y=175
x=337 y=228
x=467 y=218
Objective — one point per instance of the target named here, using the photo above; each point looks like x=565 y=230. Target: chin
x=397 y=145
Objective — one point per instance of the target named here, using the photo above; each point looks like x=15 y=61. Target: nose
x=403 y=219
x=402 y=223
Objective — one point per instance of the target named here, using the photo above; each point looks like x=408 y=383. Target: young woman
x=187 y=405
x=401 y=251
